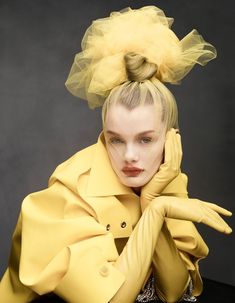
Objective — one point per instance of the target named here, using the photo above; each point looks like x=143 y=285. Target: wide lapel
x=69 y=171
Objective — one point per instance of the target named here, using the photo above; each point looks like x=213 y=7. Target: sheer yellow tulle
x=99 y=67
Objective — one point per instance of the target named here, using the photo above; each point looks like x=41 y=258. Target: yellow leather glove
x=192 y=210
x=136 y=257
x=167 y=171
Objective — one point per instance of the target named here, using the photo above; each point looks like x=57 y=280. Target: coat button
x=104 y=271
x=108 y=227
x=123 y=224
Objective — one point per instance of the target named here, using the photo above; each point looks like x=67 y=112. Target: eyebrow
x=142 y=133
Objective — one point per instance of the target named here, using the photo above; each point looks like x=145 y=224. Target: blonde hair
x=143 y=87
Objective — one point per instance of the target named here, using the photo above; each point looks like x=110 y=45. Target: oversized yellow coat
x=70 y=233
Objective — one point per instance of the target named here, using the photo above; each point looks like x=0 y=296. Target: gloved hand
x=192 y=210
x=167 y=171
x=136 y=257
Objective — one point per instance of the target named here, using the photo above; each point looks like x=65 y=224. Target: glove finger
x=218 y=209
x=179 y=150
x=176 y=151
x=171 y=151
x=168 y=147
x=219 y=225
x=215 y=216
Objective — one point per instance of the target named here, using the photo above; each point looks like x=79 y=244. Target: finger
x=172 y=152
x=168 y=134
x=172 y=146
x=216 y=218
x=179 y=152
x=219 y=226
x=168 y=143
x=176 y=151
x=218 y=209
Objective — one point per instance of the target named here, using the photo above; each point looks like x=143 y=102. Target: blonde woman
x=115 y=223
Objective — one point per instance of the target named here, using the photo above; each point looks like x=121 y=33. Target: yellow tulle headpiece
x=100 y=66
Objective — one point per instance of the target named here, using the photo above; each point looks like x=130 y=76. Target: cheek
x=154 y=157
x=114 y=156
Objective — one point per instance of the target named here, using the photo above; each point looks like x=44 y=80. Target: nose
x=131 y=154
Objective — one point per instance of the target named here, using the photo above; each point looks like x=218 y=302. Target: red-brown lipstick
x=131 y=171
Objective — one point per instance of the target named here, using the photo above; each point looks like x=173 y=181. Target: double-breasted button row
x=123 y=225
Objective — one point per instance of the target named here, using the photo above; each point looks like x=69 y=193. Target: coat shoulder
x=74 y=166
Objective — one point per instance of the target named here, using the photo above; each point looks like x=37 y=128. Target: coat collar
x=103 y=181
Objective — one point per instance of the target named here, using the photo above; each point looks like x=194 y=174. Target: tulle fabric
x=99 y=67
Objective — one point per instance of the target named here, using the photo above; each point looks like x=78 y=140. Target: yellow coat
x=71 y=232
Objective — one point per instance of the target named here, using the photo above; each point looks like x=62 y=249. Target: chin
x=134 y=181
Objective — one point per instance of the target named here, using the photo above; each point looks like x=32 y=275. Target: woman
x=115 y=223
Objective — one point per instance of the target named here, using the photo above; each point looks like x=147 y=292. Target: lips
x=132 y=171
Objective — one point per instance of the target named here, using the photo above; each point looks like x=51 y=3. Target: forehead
x=122 y=120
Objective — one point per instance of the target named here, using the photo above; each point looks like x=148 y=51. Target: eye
x=115 y=140
x=145 y=140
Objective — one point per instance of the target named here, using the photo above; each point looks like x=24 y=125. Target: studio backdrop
x=41 y=124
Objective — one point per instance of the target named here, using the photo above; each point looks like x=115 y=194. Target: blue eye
x=145 y=140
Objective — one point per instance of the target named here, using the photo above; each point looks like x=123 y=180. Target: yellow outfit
x=69 y=235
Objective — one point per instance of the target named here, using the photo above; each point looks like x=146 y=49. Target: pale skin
x=135 y=138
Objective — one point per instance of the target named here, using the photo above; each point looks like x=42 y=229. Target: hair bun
x=138 y=68
x=106 y=61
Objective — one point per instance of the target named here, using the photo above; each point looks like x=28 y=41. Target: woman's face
x=135 y=142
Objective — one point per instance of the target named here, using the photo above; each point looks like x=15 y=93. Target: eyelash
x=143 y=140
x=115 y=141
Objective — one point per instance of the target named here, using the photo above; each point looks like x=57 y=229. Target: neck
x=137 y=190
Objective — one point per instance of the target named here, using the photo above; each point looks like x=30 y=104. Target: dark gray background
x=41 y=124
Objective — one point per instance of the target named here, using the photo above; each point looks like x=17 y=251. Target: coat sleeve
x=11 y=288
x=65 y=250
